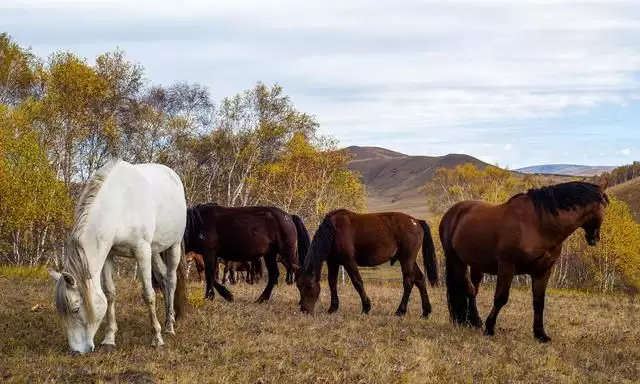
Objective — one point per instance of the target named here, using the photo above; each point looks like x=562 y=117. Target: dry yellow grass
x=596 y=339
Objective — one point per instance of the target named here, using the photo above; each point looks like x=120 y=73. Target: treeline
x=61 y=118
x=614 y=264
x=621 y=174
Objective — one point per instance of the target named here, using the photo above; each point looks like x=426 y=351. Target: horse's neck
x=95 y=254
x=567 y=222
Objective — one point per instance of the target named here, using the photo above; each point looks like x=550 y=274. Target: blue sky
x=512 y=82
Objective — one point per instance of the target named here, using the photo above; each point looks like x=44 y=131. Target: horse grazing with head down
x=245 y=234
x=353 y=239
x=125 y=210
x=523 y=235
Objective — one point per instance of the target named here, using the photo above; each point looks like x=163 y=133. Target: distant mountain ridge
x=566 y=169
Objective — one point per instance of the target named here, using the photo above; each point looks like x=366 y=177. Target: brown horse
x=233 y=271
x=254 y=272
x=198 y=261
x=244 y=234
x=352 y=239
x=524 y=235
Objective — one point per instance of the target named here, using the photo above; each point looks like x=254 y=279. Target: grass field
x=595 y=339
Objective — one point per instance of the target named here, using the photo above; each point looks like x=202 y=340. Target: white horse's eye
x=75 y=310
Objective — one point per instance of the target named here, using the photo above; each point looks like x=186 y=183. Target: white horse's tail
x=180 y=299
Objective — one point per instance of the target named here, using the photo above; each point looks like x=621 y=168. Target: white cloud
x=367 y=69
x=626 y=152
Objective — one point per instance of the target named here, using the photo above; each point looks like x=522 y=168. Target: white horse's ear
x=55 y=275
x=70 y=280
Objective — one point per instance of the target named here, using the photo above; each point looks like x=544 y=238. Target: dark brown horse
x=233 y=271
x=253 y=269
x=353 y=239
x=524 y=235
x=244 y=234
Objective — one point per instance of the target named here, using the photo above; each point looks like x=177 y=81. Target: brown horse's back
x=245 y=233
x=375 y=238
x=479 y=232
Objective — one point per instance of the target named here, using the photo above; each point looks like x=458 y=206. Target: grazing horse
x=244 y=234
x=234 y=269
x=353 y=239
x=523 y=235
x=199 y=263
x=125 y=210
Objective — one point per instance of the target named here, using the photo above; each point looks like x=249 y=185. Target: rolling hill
x=566 y=169
x=394 y=180
x=629 y=192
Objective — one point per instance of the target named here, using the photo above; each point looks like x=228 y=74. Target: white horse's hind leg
x=109 y=289
x=173 y=259
x=143 y=255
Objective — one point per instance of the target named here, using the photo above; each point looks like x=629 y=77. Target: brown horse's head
x=595 y=217
x=309 y=288
x=582 y=203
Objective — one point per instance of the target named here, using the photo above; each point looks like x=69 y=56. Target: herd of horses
x=140 y=211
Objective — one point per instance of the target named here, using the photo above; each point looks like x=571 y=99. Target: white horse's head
x=81 y=309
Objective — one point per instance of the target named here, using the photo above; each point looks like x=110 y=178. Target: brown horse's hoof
x=401 y=313
x=261 y=300
x=332 y=310
x=541 y=336
x=489 y=332
x=475 y=323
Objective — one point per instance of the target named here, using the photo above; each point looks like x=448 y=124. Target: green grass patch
x=23 y=272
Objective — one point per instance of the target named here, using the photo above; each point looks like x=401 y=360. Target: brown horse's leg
x=506 y=271
x=354 y=274
x=407 y=284
x=539 y=287
x=209 y=275
x=274 y=273
x=332 y=273
x=420 y=282
x=473 y=317
x=212 y=283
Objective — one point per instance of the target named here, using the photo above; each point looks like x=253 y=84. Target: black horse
x=245 y=234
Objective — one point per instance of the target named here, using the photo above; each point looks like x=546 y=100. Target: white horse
x=125 y=210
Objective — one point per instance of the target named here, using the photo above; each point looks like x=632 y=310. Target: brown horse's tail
x=429 y=255
x=320 y=247
x=457 y=298
x=304 y=240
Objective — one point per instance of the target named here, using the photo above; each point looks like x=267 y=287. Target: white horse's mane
x=75 y=262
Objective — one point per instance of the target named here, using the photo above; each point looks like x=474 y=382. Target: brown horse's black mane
x=565 y=196
x=194 y=220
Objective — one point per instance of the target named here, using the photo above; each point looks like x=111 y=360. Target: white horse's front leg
x=109 y=289
x=143 y=255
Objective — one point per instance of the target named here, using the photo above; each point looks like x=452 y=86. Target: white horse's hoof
x=170 y=331
x=157 y=342
x=107 y=347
